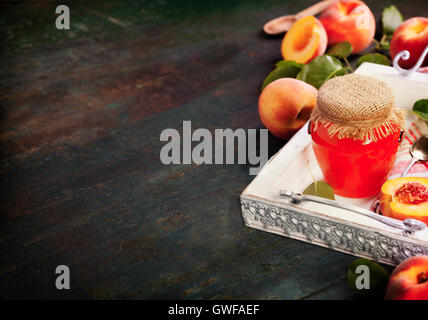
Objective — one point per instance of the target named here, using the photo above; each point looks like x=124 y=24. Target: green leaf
x=320 y=189
x=282 y=63
x=391 y=19
x=340 y=50
x=385 y=44
x=374 y=58
x=320 y=70
x=421 y=108
x=378 y=277
x=339 y=72
x=284 y=69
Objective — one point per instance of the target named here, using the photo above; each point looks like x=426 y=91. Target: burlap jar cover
x=358 y=107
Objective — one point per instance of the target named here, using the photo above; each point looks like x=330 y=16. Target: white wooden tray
x=338 y=229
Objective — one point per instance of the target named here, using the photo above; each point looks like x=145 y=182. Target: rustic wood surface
x=82 y=183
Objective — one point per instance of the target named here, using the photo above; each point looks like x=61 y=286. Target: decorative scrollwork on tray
x=334 y=234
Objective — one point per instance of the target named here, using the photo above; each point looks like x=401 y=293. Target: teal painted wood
x=82 y=111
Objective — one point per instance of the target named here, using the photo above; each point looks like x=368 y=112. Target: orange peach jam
x=412 y=193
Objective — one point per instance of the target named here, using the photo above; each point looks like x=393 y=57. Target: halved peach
x=305 y=40
x=405 y=197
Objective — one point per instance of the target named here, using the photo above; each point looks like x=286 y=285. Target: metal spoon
x=284 y=23
x=418 y=151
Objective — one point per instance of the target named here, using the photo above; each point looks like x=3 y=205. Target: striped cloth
x=420 y=168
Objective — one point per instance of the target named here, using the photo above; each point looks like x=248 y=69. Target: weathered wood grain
x=81 y=180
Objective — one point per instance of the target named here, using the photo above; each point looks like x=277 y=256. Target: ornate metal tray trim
x=334 y=234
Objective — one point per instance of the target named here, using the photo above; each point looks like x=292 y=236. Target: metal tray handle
x=406 y=55
x=409 y=226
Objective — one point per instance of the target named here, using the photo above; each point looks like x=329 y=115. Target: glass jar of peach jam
x=356 y=132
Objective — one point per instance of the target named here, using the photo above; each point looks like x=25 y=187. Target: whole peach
x=350 y=21
x=285 y=105
x=411 y=35
x=409 y=280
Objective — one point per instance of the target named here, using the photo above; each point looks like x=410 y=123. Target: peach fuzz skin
x=285 y=105
x=408 y=280
x=350 y=21
x=411 y=35
x=305 y=40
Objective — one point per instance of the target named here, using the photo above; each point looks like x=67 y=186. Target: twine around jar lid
x=359 y=107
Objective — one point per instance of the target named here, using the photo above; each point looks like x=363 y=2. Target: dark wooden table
x=82 y=183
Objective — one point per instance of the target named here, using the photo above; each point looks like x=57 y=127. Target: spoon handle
x=283 y=23
x=411 y=163
x=315 y=9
